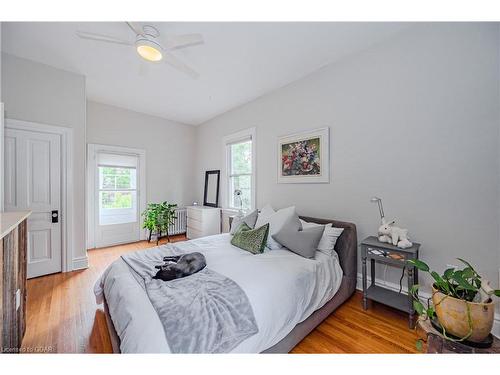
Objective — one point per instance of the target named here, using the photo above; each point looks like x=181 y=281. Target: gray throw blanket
x=205 y=312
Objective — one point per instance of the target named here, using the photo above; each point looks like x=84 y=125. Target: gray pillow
x=301 y=241
x=249 y=220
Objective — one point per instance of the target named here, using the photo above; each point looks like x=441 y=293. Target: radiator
x=179 y=225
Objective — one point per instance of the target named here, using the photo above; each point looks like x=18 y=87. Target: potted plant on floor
x=461 y=301
x=157 y=219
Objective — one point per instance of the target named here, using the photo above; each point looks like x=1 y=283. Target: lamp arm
x=381 y=209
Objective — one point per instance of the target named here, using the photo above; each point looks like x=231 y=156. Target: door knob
x=55 y=216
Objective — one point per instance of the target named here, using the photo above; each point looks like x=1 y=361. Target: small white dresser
x=202 y=221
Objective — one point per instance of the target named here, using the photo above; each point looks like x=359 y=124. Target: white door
x=116 y=203
x=33 y=182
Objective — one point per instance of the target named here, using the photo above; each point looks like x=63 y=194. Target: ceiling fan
x=148 y=45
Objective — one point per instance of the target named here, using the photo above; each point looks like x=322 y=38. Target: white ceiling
x=238 y=62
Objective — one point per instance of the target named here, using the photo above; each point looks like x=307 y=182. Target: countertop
x=10 y=220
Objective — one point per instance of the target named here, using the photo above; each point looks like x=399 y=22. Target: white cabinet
x=202 y=221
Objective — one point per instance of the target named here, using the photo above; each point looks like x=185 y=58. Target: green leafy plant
x=158 y=217
x=463 y=284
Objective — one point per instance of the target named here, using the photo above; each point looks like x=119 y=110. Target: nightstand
x=374 y=251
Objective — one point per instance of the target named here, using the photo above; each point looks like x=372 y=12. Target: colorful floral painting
x=301 y=158
x=304 y=157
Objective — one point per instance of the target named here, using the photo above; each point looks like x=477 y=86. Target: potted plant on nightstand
x=157 y=219
x=461 y=301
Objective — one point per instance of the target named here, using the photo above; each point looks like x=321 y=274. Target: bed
x=290 y=295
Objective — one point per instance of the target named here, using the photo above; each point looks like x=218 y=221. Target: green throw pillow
x=251 y=240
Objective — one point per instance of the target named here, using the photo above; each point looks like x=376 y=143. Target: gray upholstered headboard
x=346 y=246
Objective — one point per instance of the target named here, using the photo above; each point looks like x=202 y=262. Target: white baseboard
x=80 y=263
x=395 y=287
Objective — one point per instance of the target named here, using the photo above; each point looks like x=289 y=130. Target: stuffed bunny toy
x=389 y=233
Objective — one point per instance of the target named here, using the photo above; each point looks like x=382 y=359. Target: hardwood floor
x=63 y=317
x=350 y=329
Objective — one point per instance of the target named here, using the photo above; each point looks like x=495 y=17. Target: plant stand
x=158 y=237
x=436 y=343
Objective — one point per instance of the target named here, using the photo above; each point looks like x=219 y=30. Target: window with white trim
x=240 y=171
x=117 y=189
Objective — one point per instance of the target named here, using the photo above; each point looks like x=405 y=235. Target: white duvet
x=283 y=289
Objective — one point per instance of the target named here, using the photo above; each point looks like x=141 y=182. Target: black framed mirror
x=211 y=194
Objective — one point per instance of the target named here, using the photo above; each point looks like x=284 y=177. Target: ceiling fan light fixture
x=148 y=49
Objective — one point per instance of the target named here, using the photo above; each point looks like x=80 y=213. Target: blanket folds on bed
x=202 y=313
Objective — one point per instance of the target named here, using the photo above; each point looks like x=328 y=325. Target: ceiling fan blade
x=179 y=65
x=102 y=38
x=182 y=41
x=135 y=28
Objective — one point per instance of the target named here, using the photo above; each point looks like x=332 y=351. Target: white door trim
x=92 y=150
x=66 y=182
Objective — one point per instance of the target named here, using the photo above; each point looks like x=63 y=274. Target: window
x=240 y=170
x=117 y=195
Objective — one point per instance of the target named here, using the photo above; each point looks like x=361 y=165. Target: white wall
x=414 y=120
x=170 y=148
x=40 y=93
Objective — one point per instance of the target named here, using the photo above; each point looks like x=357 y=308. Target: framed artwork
x=304 y=157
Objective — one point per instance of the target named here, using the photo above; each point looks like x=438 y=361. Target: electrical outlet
x=18 y=299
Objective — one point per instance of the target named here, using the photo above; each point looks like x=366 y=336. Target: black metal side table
x=375 y=251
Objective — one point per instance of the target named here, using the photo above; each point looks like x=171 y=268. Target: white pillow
x=264 y=213
x=306 y=224
x=276 y=220
x=328 y=239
